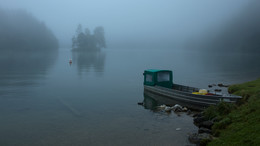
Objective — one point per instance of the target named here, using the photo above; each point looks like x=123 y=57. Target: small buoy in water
x=70 y=61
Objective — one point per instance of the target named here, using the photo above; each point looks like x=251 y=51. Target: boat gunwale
x=201 y=103
x=231 y=96
x=203 y=99
x=190 y=104
x=189 y=97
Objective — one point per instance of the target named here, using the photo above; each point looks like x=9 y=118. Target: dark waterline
x=93 y=101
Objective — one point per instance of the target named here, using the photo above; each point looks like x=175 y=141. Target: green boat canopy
x=157 y=77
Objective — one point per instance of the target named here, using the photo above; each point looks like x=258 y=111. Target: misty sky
x=134 y=20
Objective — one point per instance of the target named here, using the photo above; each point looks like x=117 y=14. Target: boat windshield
x=163 y=76
x=148 y=78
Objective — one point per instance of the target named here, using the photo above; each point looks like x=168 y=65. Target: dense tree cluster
x=87 y=41
x=19 y=30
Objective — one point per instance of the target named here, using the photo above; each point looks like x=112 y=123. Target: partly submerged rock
x=206 y=124
x=204 y=130
x=167 y=109
x=189 y=112
x=198 y=120
x=211 y=85
x=222 y=85
x=184 y=109
x=161 y=107
x=140 y=103
x=198 y=115
x=200 y=138
x=177 y=108
x=217 y=90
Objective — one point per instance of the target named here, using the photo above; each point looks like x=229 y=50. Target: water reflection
x=21 y=69
x=149 y=102
x=88 y=61
x=246 y=64
x=152 y=101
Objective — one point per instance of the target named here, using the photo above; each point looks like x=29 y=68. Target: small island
x=85 y=41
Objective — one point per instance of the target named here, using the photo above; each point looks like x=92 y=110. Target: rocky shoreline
x=204 y=134
x=216 y=124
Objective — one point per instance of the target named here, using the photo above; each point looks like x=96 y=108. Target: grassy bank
x=238 y=124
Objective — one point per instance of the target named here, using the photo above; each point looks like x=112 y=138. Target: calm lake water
x=46 y=101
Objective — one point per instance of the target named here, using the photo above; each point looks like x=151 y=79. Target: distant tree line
x=87 y=41
x=19 y=30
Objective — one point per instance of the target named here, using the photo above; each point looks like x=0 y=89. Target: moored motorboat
x=159 y=86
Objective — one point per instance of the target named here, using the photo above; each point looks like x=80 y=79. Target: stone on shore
x=204 y=130
x=206 y=124
x=167 y=109
x=200 y=139
x=199 y=120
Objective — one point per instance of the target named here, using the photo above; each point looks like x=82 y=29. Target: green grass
x=238 y=124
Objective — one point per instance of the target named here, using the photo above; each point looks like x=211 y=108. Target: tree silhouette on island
x=85 y=41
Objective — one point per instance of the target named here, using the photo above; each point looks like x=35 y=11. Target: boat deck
x=185 y=88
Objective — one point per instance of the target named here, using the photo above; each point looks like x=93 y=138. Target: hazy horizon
x=130 y=22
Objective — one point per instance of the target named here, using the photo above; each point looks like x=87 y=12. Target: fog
x=19 y=30
x=62 y=83
x=240 y=34
x=133 y=23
